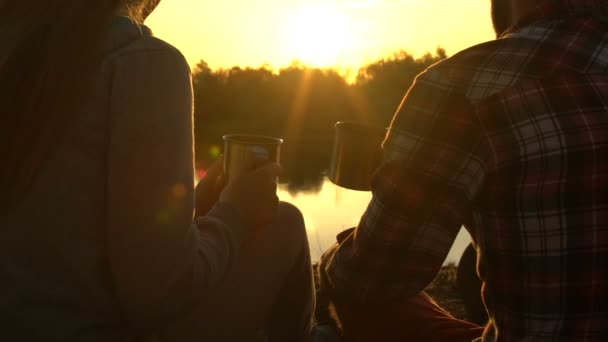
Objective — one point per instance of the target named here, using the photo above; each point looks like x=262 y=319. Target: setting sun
x=323 y=33
x=318 y=35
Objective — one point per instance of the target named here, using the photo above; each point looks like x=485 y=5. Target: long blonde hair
x=140 y=9
x=50 y=53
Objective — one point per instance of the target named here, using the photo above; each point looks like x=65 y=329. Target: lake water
x=334 y=209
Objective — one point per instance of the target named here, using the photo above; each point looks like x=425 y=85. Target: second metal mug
x=357 y=152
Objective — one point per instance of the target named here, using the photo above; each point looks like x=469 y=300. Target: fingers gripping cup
x=244 y=153
x=356 y=154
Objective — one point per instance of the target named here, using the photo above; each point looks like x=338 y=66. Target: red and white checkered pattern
x=509 y=138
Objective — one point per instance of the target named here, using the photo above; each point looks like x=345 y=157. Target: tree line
x=300 y=104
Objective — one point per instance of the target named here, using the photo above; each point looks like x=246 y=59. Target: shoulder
x=150 y=47
x=484 y=69
x=149 y=73
x=131 y=42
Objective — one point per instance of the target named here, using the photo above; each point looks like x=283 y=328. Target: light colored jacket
x=104 y=247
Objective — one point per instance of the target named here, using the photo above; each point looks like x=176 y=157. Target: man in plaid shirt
x=510 y=139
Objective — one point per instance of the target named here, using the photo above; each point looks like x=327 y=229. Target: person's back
x=100 y=236
x=541 y=218
x=510 y=138
x=54 y=242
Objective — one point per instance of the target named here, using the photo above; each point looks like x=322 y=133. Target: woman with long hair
x=99 y=240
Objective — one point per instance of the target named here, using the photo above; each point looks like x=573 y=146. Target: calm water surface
x=333 y=209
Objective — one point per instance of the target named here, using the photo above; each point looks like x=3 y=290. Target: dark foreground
x=444 y=290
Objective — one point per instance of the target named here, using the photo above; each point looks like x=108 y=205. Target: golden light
x=318 y=36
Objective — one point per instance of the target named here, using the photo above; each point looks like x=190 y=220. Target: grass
x=444 y=290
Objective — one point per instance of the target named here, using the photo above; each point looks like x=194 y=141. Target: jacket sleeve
x=162 y=261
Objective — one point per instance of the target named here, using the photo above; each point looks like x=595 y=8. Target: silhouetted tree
x=385 y=82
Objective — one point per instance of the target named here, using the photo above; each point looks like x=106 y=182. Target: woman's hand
x=254 y=195
x=209 y=188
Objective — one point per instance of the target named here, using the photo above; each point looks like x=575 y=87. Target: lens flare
x=215 y=152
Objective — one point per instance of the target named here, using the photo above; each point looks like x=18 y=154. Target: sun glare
x=318 y=36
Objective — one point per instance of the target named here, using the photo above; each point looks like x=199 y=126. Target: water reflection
x=329 y=209
x=304 y=166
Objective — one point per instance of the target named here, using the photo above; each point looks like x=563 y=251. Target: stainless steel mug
x=357 y=152
x=243 y=153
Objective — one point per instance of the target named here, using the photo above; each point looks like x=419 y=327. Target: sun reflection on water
x=334 y=209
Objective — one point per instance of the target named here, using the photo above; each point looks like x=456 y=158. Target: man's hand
x=254 y=195
x=209 y=188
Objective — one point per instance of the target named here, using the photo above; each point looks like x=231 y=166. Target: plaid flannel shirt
x=510 y=139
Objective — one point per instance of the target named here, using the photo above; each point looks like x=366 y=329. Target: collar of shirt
x=560 y=9
x=123 y=31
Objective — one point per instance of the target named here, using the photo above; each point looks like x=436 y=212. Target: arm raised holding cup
x=244 y=178
x=269 y=285
x=251 y=169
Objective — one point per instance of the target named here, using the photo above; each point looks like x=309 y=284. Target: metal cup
x=243 y=153
x=357 y=153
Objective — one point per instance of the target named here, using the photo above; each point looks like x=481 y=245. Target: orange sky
x=334 y=33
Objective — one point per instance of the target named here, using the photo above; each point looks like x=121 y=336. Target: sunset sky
x=325 y=33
